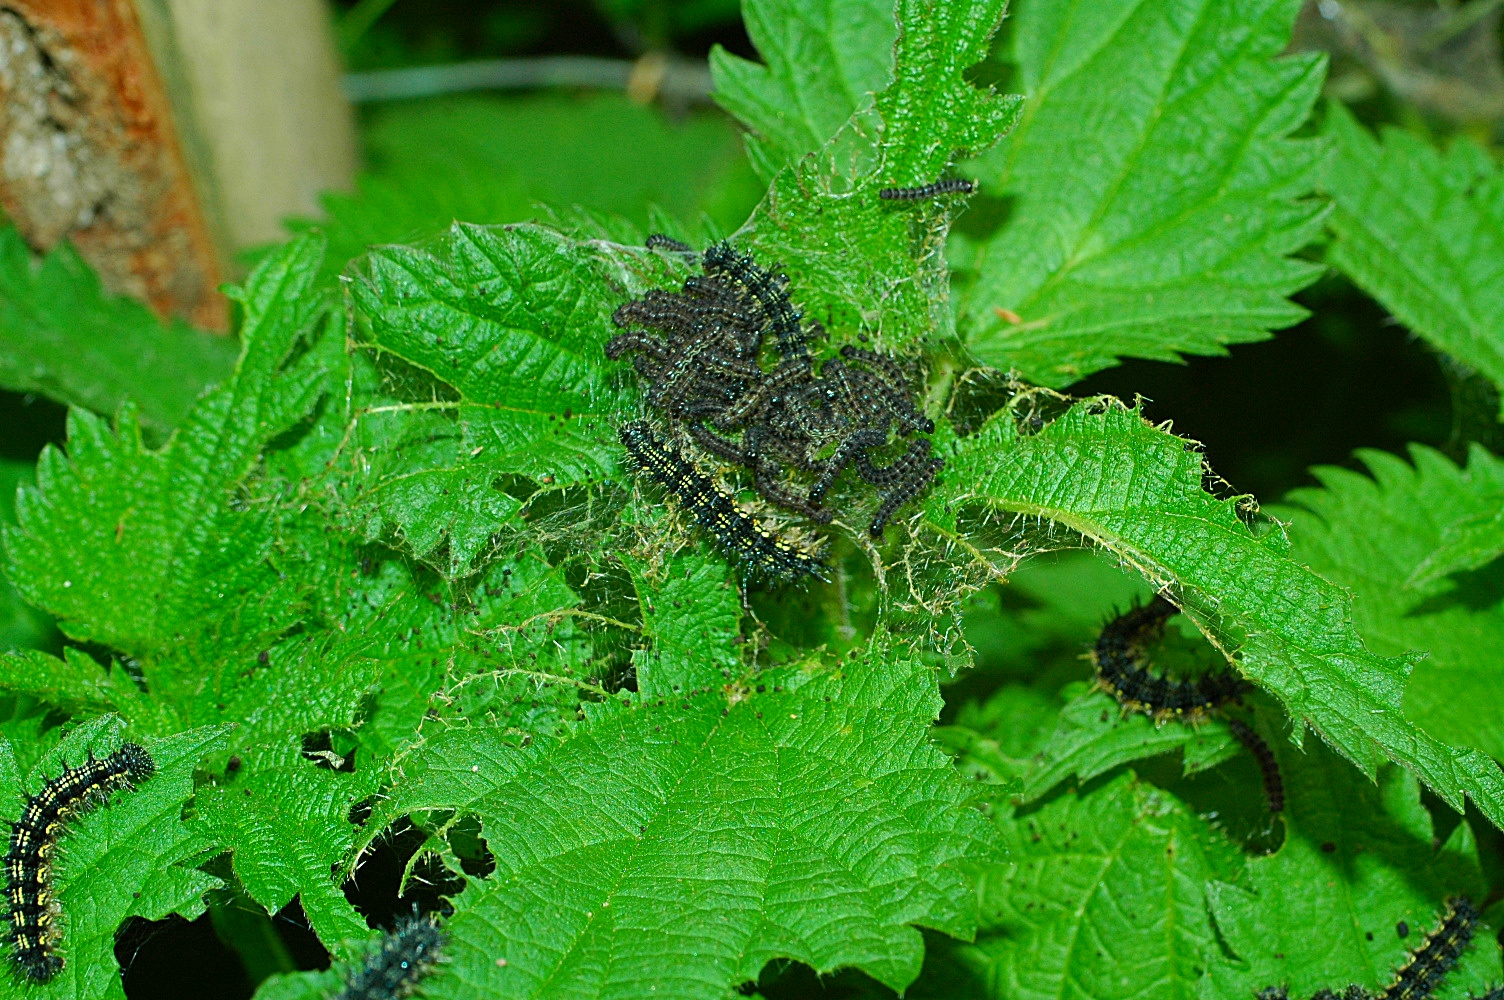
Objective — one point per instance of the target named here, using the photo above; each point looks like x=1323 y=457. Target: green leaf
x=822 y=59
x=1422 y=231
x=1468 y=544
x=996 y=740
x=286 y=820
x=389 y=469
x=684 y=841
x=863 y=264
x=132 y=857
x=431 y=506
x=137 y=548
x=1094 y=736
x=22 y=626
x=283 y=807
x=77 y=684
x=1372 y=536
x=63 y=337
x=1050 y=612
x=1104 y=898
x=1359 y=858
x=1136 y=491
x=691 y=613
x=302 y=985
x=513 y=321
x=521 y=658
x=1153 y=191
x=931 y=112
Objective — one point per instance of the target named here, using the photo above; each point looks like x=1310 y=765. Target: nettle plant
x=393 y=585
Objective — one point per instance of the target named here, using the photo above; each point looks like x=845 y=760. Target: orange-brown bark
x=89 y=153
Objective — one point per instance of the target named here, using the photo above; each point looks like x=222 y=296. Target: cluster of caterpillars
x=1120 y=656
x=1425 y=968
x=796 y=424
x=34 y=928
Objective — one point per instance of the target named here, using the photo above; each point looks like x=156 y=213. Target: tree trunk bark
x=162 y=136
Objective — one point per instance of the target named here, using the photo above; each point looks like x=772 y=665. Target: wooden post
x=161 y=136
x=256 y=85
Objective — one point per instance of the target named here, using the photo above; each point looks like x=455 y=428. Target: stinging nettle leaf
x=691 y=614
x=283 y=807
x=75 y=683
x=996 y=741
x=1469 y=544
x=286 y=821
x=22 y=626
x=513 y=320
x=137 y=548
x=418 y=553
x=1373 y=535
x=859 y=262
x=1136 y=490
x=1094 y=736
x=822 y=59
x=1103 y=897
x=1359 y=860
x=433 y=505
x=931 y=112
x=63 y=337
x=1422 y=231
x=131 y=858
x=684 y=841
x=1153 y=191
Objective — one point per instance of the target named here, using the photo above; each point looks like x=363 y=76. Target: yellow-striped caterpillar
x=761 y=551
x=1429 y=963
x=1426 y=968
x=33 y=842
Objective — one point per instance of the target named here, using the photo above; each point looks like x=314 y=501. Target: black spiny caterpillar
x=948 y=186
x=33 y=841
x=768 y=288
x=761 y=551
x=407 y=953
x=1426 y=968
x=1274 y=783
x=1119 y=658
x=1436 y=955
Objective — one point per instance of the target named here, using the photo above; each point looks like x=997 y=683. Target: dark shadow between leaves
x=1475 y=590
